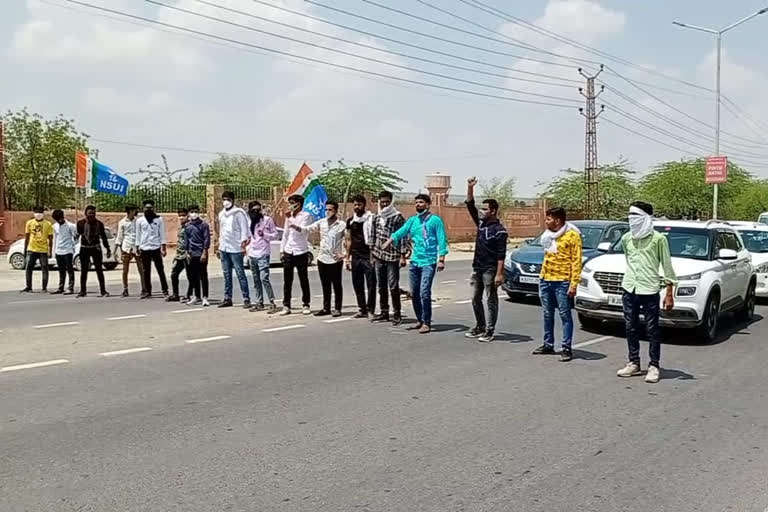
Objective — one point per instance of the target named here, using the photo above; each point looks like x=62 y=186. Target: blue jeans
x=261 y=283
x=421 y=291
x=648 y=305
x=554 y=295
x=230 y=260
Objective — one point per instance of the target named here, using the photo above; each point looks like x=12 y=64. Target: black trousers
x=178 y=267
x=147 y=259
x=66 y=269
x=90 y=255
x=330 y=278
x=301 y=263
x=197 y=273
x=32 y=259
x=364 y=274
x=388 y=276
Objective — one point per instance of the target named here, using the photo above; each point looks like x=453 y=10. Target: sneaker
x=272 y=309
x=336 y=313
x=81 y=295
x=360 y=314
x=125 y=293
x=476 y=332
x=146 y=295
x=381 y=317
x=653 y=375
x=306 y=311
x=184 y=300
x=57 y=292
x=26 y=290
x=415 y=327
x=247 y=304
x=165 y=294
x=69 y=292
x=631 y=370
x=425 y=329
x=205 y=302
x=172 y=298
x=194 y=302
x=104 y=294
x=257 y=307
x=397 y=320
x=285 y=312
x=322 y=312
x=44 y=290
x=226 y=303
x=544 y=350
x=487 y=337
x=566 y=355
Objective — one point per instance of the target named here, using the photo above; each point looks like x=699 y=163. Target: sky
x=127 y=81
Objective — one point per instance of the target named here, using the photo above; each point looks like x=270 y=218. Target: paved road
x=316 y=416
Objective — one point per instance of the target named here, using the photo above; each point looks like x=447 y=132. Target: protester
x=197 y=242
x=359 y=259
x=91 y=232
x=126 y=241
x=151 y=242
x=180 y=259
x=646 y=251
x=294 y=252
x=487 y=264
x=263 y=231
x=427 y=234
x=560 y=275
x=331 y=258
x=64 y=249
x=388 y=261
x=38 y=242
x=233 y=239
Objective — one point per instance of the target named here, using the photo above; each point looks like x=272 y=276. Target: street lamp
x=719 y=34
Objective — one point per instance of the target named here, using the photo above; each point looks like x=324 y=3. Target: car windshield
x=590 y=237
x=763 y=218
x=691 y=243
x=755 y=241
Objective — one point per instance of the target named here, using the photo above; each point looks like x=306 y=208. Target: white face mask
x=640 y=223
x=39 y=216
x=227 y=204
x=194 y=216
x=482 y=214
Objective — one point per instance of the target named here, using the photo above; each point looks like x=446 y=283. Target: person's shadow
x=670 y=374
x=507 y=337
x=587 y=355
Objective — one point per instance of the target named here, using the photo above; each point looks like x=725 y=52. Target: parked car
x=17 y=262
x=755 y=238
x=714 y=272
x=274 y=255
x=523 y=265
x=763 y=218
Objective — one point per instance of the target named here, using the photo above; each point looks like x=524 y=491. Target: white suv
x=714 y=271
x=755 y=237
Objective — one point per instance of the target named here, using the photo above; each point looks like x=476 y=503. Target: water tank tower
x=437 y=184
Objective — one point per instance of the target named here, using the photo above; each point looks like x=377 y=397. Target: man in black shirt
x=488 y=263
x=359 y=259
x=91 y=231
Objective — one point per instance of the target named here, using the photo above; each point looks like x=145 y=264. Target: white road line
x=60 y=324
x=592 y=342
x=337 y=320
x=462 y=302
x=37 y=301
x=318 y=296
x=284 y=328
x=126 y=351
x=449 y=282
x=189 y=310
x=33 y=365
x=211 y=338
x=434 y=306
x=127 y=317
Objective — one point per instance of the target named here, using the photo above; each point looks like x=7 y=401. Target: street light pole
x=719 y=34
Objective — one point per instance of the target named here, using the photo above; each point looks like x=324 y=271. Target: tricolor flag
x=93 y=175
x=307 y=184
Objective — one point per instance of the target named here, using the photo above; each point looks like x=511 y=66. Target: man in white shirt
x=234 y=233
x=294 y=252
x=64 y=250
x=126 y=241
x=330 y=260
x=151 y=242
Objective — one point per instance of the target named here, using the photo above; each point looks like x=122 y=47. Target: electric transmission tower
x=591 y=172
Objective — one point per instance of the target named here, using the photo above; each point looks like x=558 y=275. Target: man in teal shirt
x=646 y=251
x=427 y=233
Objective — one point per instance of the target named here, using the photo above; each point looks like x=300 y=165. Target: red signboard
x=717 y=169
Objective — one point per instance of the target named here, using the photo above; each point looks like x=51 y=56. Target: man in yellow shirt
x=38 y=243
x=560 y=277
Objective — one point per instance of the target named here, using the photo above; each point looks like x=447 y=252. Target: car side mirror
x=528 y=241
x=727 y=254
x=604 y=247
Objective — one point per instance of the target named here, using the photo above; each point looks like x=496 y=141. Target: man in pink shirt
x=263 y=231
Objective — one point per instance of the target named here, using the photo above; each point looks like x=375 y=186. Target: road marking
x=211 y=338
x=126 y=351
x=337 y=320
x=180 y=311
x=318 y=296
x=592 y=342
x=60 y=324
x=462 y=302
x=436 y=306
x=127 y=317
x=449 y=282
x=33 y=365
x=37 y=301
x=284 y=328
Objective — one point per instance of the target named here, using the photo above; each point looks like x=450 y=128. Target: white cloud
x=735 y=77
x=126 y=103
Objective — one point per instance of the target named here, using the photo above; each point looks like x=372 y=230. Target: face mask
x=421 y=209
x=39 y=216
x=482 y=214
x=294 y=207
x=194 y=216
x=227 y=204
x=255 y=214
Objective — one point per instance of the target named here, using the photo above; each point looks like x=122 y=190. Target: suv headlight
x=691 y=277
x=686 y=291
x=762 y=269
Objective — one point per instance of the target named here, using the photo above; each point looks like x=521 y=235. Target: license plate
x=615 y=300
x=529 y=280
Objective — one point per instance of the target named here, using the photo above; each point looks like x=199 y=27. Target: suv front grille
x=530 y=268
x=610 y=282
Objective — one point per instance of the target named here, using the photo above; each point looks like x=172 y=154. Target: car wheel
x=76 y=263
x=110 y=266
x=747 y=313
x=711 y=318
x=17 y=261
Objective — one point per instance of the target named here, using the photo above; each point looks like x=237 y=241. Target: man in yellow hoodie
x=560 y=276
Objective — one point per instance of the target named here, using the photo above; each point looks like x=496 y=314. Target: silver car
x=17 y=262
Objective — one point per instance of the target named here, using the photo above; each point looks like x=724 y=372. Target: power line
x=759 y=124
x=320 y=61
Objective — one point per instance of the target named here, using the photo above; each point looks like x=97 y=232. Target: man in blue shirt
x=427 y=233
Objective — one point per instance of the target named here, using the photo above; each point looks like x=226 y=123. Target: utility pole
x=591 y=172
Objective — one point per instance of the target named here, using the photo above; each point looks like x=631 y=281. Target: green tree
x=342 y=181
x=750 y=203
x=500 y=189
x=40 y=155
x=243 y=170
x=678 y=189
x=617 y=190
